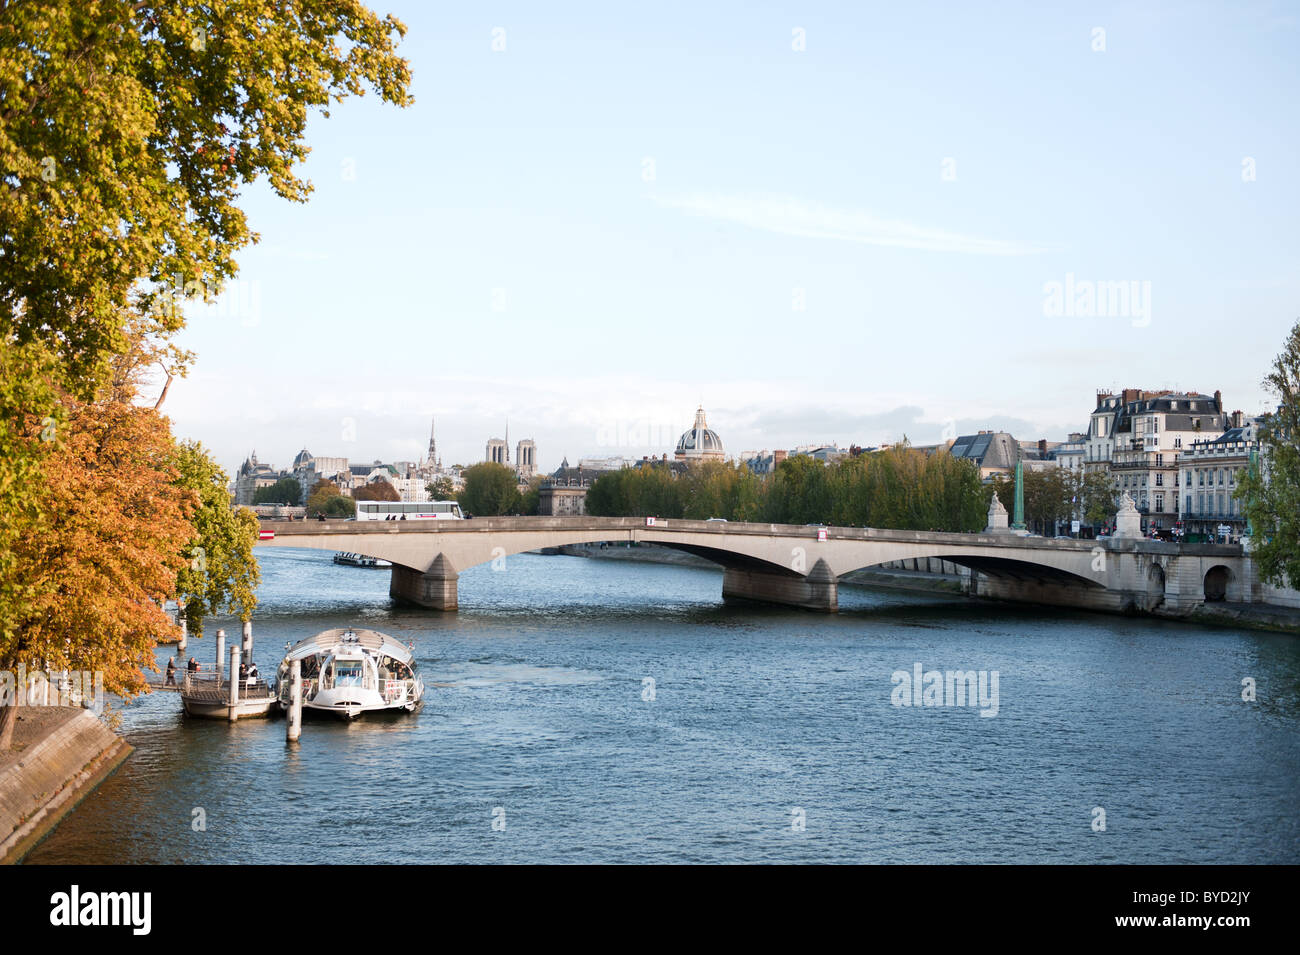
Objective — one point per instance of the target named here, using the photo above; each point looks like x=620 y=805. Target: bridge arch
x=1216 y=582
x=1155 y=586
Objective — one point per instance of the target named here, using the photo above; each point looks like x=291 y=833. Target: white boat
x=361 y=560
x=349 y=672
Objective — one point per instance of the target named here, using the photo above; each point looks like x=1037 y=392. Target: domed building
x=699 y=443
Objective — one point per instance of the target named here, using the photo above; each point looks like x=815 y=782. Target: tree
x=284 y=491
x=377 y=490
x=127 y=131
x=327 y=500
x=1096 y=497
x=441 y=489
x=1270 y=491
x=490 y=490
x=112 y=519
x=220 y=573
x=530 y=501
x=31 y=418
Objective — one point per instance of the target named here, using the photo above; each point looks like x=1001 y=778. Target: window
x=1188 y=482
x=1160 y=502
x=1187 y=506
x=1160 y=460
x=1160 y=480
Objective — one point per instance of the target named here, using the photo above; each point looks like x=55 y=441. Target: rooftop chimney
x=1218 y=401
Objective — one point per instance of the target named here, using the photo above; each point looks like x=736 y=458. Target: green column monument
x=1018 y=523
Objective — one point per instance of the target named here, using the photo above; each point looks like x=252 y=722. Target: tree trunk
x=8 y=720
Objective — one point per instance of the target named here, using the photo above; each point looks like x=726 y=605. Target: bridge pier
x=436 y=588
x=817 y=591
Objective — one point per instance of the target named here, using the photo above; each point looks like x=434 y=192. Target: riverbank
x=60 y=754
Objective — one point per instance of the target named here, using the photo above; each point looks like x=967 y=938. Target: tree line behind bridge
x=898 y=488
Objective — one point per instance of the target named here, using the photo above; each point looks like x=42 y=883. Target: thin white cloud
x=798 y=217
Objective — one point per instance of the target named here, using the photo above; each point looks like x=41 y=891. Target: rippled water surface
x=757 y=712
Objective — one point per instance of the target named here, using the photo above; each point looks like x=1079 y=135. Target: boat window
x=347 y=673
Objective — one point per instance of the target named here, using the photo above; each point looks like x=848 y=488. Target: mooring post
x=295 y=702
x=221 y=655
x=234 y=683
x=185 y=630
x=248 y=641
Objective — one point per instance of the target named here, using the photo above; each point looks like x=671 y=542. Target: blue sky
x=618 y=216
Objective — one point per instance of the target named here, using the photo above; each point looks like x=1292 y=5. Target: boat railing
x=199 y=684
x=397 y=689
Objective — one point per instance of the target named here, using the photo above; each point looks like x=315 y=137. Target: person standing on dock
x=171 y=672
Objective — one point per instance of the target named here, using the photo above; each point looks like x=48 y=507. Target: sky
x=826 y=222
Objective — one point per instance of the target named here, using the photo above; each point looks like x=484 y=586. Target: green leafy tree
x=1270 y=491
x=530 y=501
x=127 y=132
x=1096 y=497
x=441 y=489
x=490 y=490
x=284 y=491
x=220 y=574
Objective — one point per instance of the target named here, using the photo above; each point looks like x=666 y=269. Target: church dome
x=699 y=442
x=303 y=459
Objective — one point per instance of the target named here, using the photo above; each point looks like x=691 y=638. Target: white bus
x=408 y=510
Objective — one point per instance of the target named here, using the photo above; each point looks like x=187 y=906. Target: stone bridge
x=797 y=565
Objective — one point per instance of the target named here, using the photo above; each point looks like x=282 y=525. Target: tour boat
x=349 y=672
x=360 y=560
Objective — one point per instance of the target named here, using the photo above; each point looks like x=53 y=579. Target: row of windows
x=1204 y=476
x=1219 y=504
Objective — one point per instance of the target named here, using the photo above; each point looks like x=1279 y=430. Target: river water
x=771 y=735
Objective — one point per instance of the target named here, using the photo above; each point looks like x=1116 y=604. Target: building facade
x=1138 y=438
x=251 y=476
x=1209 y=473
x=526 y=459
